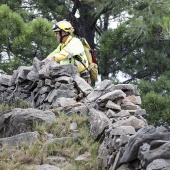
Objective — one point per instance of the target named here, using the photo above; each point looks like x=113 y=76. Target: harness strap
x=84 y=74
x=78 y=58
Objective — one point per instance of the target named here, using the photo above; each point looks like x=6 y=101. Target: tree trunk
x=84 y=25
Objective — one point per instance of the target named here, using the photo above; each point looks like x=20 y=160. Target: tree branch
x=139 y=75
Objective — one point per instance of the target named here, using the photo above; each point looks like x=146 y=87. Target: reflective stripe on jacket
x=65 y=52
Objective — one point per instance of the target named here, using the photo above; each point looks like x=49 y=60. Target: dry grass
x=39 y=151
x=13 y=104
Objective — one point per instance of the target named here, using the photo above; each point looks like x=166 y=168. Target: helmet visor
x=56 y=28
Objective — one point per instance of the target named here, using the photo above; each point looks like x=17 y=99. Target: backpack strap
x=78 y=58
x=86 y=74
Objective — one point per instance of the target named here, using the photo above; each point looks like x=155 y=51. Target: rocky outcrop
x=22 y=120
x=116 y=118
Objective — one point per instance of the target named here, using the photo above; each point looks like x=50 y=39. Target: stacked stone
x=116 y=119
x=115 y=114
x=17 y=85
x=45 y=85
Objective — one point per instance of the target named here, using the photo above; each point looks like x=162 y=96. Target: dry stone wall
x=44 y=85
x=116 y=118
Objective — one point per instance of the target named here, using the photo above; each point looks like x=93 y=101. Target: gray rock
x=103 y=154
x=73 y=126
x=22 y=73
x=82 y=85
x=129 y=89
x=64 y=79
x=13 y=77
x=63 y=87
x=32 y=75
x=142 y=149
x=56 y=70
x=37 y=64
x=18 y=139
x=122 y=113
x=134 y=99
x=124 y=140
x=70 y=106
x=123 y=130
x=98 y=123
x=117 y=94
x=57 y=85
x=41 y=83
x=162 y=152
x=166 y=169
x=140 y=112
x=42 y=98
x=46 y=167
x=5 y=80
x=157 y=143
x=45 y=70
x=123 y=167
x=80 y=109
x=131 y=121
x=48 y=82
x=93 y=96
x=113 y=106
x=103 y=85
x=159 y=164
x=65 y=102
x=146 y=134
x=22 y=120
x=83 y=157
x=60 y=93
x=44 y=89
x=129 y=106
x=110 y=113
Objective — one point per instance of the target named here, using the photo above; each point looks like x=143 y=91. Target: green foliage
x=155 y=99
x=10 y=65
x=36 y=39
x=11 y=25
x=21 y=42
x=108 y=55
x=12 y=4
x=51 y=9
x=139 y=47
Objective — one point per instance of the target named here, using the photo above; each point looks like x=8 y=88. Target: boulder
x=146 y=134
x=22 y=120
x=98 y=123
x=16 y=140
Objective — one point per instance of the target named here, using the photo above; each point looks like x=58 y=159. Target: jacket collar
x=68 y=40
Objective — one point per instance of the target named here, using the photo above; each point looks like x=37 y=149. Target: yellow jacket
x=65 y=52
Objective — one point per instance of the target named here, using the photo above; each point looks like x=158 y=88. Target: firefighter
x=69 y=49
